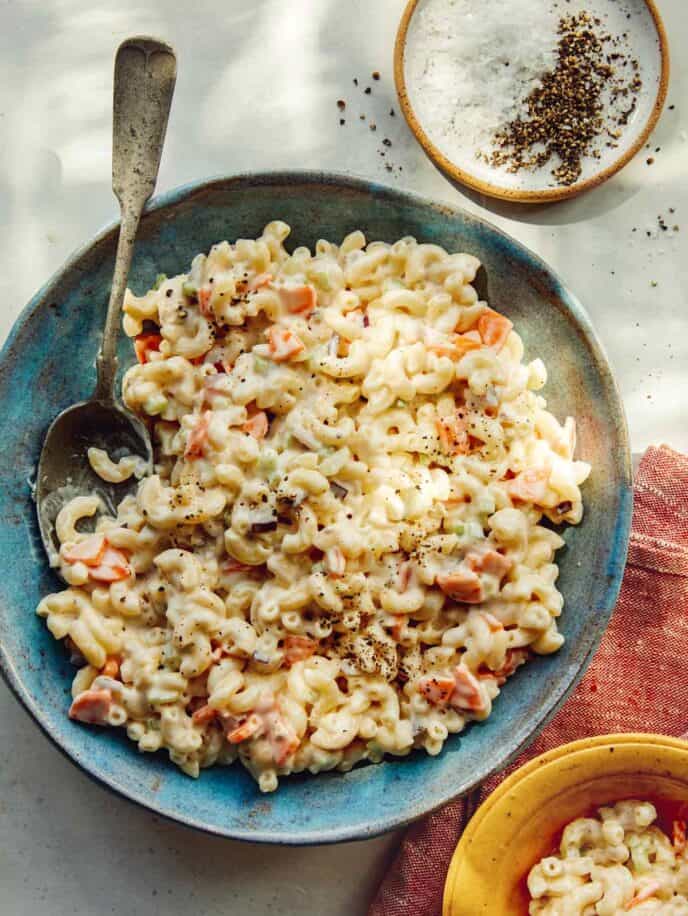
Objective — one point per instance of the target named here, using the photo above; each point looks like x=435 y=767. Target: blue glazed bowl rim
x=527 y=733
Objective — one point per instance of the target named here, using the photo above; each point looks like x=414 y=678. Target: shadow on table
x=614 y=193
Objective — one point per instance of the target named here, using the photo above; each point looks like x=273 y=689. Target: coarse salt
x=476 y=62
x=483 y=75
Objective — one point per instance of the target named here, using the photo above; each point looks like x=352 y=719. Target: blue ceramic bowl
x=48 y=363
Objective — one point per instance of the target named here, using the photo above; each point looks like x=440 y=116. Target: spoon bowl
x=64 y=470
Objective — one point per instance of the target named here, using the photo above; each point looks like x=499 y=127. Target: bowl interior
x=513 y=830
x=48 y=363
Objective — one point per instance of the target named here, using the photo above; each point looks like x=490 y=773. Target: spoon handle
x=145 y=75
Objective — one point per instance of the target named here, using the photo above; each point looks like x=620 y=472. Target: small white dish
x=436 y=116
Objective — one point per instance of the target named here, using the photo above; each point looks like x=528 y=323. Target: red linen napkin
x=637 y=681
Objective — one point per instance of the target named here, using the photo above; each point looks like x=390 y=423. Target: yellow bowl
x=520 y=821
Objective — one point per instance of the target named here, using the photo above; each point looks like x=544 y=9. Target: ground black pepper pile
x=590 y=93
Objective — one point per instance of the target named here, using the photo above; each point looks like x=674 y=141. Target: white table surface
x=257 y=89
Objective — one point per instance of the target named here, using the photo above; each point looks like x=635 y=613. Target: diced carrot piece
x=679 y=836
x=111 y=667
x=463 y=585
x=398 y=627
x=490 y=562
x=254 y=284
x=335 y=561
x=257 y=426
x=464 y=344
x=203 y=715
x=453 y=435
x=109 y=573
x=493 y=328
x=442 y=350
x=299 y=300
x=284 y=344
x=114 y=565
x=144 y=344
x=277 y=729
x=298 y=648
x=198 y=436
x=266 y=720
x=440 y=344
x=513 y=660
x=246 y=729
x=283 y=739
x=89 y=551
x=648 y=891
x=113 y=556
x=204 y=296
x=454 y=346
x=529 y=486
x=467 y=693
x=437 y=690
x=92 y=706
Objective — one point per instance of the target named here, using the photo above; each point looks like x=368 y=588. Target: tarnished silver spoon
x=145 y=75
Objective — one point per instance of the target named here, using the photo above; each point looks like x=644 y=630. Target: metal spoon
x=145 y=74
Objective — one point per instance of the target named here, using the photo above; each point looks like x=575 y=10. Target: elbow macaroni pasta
x=339 y=554
x=614 y=863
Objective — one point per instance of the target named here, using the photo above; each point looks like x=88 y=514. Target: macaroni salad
x=338 y=555
x=612 y=864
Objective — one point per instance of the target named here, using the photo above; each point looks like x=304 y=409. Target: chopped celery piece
x=155 y=404
x=260 y=364
x=640 y=849
x=189 y=289
x=322 y=279
x=459 y=529
x=400 y=403
x=268 y=460
x=473 y=531
x=485 y=504
x=159 y=280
